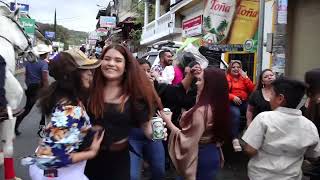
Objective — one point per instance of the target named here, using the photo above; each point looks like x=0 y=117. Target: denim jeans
x=208 y=162
x=143 y=148
x=3 y=100
x=236 y=112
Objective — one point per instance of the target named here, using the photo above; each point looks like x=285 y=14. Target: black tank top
x=117 y=124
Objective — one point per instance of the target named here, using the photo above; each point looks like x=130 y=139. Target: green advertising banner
x=28 y=25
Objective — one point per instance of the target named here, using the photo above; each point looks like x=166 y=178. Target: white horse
x=12 y=41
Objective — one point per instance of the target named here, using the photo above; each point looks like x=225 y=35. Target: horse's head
x=11 y=31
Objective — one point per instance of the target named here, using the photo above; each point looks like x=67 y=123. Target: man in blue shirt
x=36 y=75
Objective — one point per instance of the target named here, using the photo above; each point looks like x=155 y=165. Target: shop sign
x=282 y=11
x=192 y=27
x=50 y=35
x=93 y=35
x=102 y=32
x=92 y=42
x=108 y=21
x=23 y=8
x=28 y=25
x=249 y=45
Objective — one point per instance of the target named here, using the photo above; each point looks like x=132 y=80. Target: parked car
x=155 y=49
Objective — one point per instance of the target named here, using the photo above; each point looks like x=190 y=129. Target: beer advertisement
x=230 y=22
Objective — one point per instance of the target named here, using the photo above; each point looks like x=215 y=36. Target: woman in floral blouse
x=60 y=154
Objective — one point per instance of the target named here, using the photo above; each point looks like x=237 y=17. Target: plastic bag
x=198 y=56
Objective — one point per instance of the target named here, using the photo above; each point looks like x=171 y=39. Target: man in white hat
x=36 y=77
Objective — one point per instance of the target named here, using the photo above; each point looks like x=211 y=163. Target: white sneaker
x=236 y=145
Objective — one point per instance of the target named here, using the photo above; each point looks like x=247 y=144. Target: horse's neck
x=7 y=52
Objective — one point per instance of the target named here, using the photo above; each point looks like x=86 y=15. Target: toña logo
x=218 y=6
x=245 y=11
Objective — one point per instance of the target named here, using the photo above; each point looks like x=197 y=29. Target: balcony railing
x=159 y=28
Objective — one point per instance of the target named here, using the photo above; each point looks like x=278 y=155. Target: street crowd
x=97 y=117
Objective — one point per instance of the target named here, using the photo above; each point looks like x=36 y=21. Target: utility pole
x=260 y=37
x=55 y=24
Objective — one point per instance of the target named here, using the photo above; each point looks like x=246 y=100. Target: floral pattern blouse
x=63 y=135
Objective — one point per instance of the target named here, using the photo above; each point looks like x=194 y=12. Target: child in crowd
x=278 y=140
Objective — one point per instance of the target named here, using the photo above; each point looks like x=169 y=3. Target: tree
x=138 y=9
x=64 y=35
x=207 y=22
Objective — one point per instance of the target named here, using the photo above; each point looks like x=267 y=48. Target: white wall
x=304 y=37
x=268 y=24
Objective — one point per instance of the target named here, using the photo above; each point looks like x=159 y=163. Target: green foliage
x=138 y=9
x=213 y=31
x=64 y=35
x=222 y=26
x=135 y=35
x=207 y=22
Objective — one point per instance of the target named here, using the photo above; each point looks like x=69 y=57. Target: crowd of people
x=98 y=117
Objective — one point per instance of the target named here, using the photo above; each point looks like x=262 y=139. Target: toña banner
x=231 y=22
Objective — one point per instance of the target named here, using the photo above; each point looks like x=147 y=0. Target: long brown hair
x=312 y=79
x=134 y=84
x=215 y=93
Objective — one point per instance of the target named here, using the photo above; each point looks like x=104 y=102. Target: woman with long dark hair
x=122 y=98
x=312 y=79
x=259 y=99
x=195 y=148
x=59 y=153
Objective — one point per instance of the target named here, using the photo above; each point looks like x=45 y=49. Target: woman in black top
x=121 y=98
x=259 y=99
x=312 y=79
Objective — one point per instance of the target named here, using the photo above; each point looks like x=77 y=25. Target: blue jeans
x=236 y=112
x=143 y=148
x=208 y=162
x=3 y=100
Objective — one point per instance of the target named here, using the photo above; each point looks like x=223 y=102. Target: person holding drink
x=122 y=98
x=195 y=149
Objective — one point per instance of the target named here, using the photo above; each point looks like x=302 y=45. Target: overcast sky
x=73 y=14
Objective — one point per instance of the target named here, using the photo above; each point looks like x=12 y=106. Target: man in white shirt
x=278 y=140
x=164 y=71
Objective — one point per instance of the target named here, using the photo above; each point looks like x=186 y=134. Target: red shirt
x=241 y=87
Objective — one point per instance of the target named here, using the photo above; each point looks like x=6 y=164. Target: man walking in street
x=36 y=77
x=164 y=72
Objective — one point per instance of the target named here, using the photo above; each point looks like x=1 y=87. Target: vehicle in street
x=155 y=49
